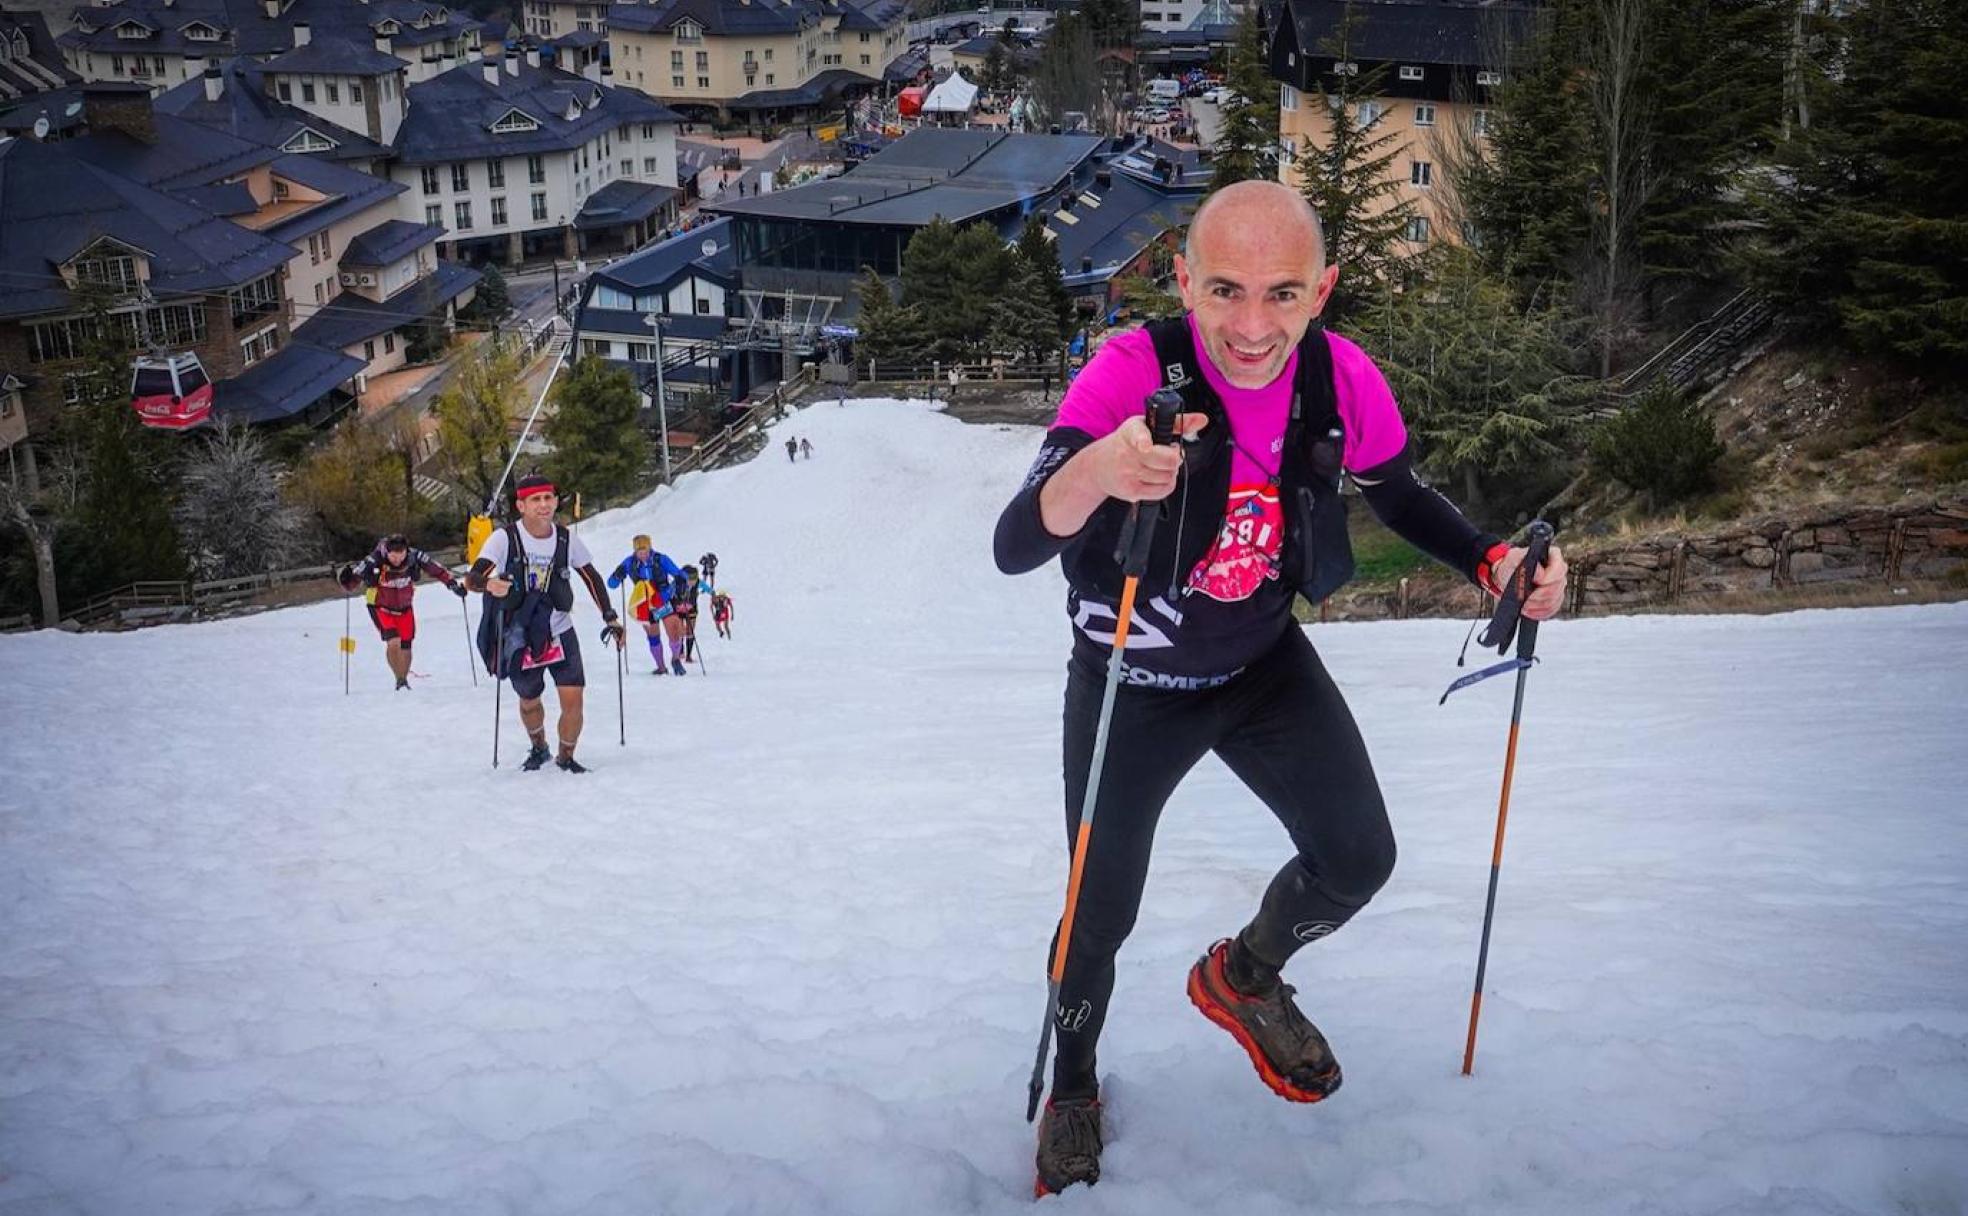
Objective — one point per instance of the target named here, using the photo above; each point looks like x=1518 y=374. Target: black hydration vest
x=1316 y=557
x=560 y=592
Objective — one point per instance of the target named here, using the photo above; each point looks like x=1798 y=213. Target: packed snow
x=268 y=948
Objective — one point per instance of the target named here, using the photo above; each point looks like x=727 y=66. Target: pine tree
x=598 y=450
x=1525 y=196
x=1867 y=227
x=889 y=332
x=1022 y=320
x=1065 y=80
x=1347 y=175
x=493 y=299
x=1247 y=141
x=1482 y=383
x=1042 y=255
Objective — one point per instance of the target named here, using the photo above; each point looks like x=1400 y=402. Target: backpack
x=1317 y=554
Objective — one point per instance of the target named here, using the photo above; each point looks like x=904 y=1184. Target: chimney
x=109 y=105
x=1086 y=265
x=383 y=43
x=1103 y=177
x=303 y=33
x=532 y=56
x=272 y=9
x=194 y=64
x=491 y=69
x=512 y=61
x=214 y=83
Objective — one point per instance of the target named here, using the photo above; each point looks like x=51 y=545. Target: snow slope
x=267 y=948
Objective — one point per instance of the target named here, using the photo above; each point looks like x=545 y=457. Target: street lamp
x=655 y=322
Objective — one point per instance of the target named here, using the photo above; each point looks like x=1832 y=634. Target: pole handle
x=1138 y=533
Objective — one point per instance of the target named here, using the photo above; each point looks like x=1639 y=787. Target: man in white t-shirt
x=530 y=599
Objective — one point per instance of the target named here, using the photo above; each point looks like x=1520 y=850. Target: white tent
x=955 y=95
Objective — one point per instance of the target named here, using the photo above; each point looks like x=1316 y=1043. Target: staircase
x=1684 y=362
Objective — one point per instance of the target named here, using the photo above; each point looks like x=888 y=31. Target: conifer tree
x=1247 y=141
x=598 y=450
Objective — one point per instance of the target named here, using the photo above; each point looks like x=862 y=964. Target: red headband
x=525 y=492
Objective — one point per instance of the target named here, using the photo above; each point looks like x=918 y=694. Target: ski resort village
x=895 y=606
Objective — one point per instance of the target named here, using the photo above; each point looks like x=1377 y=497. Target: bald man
x=1276 y=409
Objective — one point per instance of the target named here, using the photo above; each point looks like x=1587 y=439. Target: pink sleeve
x=1111 y=388
x=1374 y=430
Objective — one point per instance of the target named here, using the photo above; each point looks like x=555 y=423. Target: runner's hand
x=1547 y=585
x=1131 y=466
x=458 y=589
x=497 y=587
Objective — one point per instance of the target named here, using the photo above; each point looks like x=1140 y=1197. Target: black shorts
x=529 y=683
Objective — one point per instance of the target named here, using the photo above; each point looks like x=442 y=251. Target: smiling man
x=1276 y=411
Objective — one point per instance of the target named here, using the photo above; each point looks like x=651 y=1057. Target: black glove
x=458 y=589
x=346 y=576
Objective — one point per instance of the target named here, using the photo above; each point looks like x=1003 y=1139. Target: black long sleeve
x=1420 y=515
x=1021 y=542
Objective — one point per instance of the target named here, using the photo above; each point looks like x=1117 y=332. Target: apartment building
x=1439 y=63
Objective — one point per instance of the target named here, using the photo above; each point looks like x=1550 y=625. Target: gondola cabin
x=171 y=391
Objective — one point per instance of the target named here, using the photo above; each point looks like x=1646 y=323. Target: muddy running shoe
x=1290 y=1054
x=536 y=759
x=1069 y=1145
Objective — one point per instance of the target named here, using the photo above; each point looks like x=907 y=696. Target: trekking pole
x=690 y=645
x=1509 y=607
x=1136 y=534
x=621 y=665
x=348 y=643
x=498 y=673
x=471 y=652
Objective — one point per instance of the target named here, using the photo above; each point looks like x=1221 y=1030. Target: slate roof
x=283 y=384
x=350 y=193
x=389 y=243
x=61 y=107
x=337 y=57
x=34 y=64
x=246 y=109
x=55 y=203
x=451 y=115
x=932 y=171
x=1128 y=217
x=350 y=318
x=1455 y=32
x=663 y=264
x=184 y=154
x=246 y=29
x=623 y=202
x=817 y=91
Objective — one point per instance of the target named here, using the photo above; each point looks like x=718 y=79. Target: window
x=864 y=61
x=703 y=82
x=768 y=54
x=864 y=38
x=749 y=60
x=628 y=168
x=1489 y=78
x=689 y=31
x=539 y=206
x=334 y=91
x=460 y=177
x=676 y=61
x=649 y=130
x=369 y=350
x=495 y=173
x=513 y=120
x=307 y=90
x=1345 y=67
x=389 y=343
x=1424 y=116
x=1479 y=122
x=434 y=214
x=703 y=61
x=314 y=251
x=498 y=212
x=318 y=297
x=463 y=211
x=1287 y=97
x=355 y=90
x=260 y=345
x=1422 y=174
x=768 y=78
x=705 y=305
x=117 y=270
x=430 y=179
x=750 y=80
x=536 y=169
x=649 y=168
x=286 y=89
x=1409 y=72
x=1417 y=230
x=676 y=82
x=1370 y=112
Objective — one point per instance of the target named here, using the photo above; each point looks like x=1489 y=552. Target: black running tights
x=1283 y=728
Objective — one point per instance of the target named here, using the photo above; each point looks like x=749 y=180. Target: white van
x=1165 y=89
